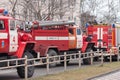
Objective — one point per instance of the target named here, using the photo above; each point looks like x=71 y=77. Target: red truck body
x=103 y=36
x=61 y=36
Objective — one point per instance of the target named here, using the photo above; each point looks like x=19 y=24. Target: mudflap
x=87 y=45
x=24 y=46
x=20 y=50
x=84 y=47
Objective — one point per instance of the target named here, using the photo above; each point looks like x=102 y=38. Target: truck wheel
x=114 y=58
x=96 y=59
x=52 y=52
x=106 y=59
x=67 y=58
x=67 y=62
x=21 y=70
x=86 y=61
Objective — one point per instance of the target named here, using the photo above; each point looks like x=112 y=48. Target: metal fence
x=57 y=59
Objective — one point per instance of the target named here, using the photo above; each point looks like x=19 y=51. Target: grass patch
x=82 y=73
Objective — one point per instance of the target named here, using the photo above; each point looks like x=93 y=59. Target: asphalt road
x=39 y=71
x=11 y=74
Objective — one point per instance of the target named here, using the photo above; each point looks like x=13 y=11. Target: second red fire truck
x=56 y=37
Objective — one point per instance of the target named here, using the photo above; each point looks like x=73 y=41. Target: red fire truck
x=56 y=37
x=102 y=35
x=13 y=44
x=105 y=36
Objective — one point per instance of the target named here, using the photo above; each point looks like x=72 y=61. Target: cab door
x=3 y=36
x=13 y=36
x=79 y=38
x=72 y=38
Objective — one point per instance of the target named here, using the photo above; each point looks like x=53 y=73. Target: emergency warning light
x=5 y=12
x=113 y=25
x=86 y=25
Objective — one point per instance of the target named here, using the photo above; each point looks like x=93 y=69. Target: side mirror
x=21 y=27
x=28 y=27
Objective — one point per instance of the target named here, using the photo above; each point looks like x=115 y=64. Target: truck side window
x=71 y=31
x=2 y=25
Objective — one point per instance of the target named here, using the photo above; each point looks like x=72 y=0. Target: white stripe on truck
x=54 y=38
x=3 y=35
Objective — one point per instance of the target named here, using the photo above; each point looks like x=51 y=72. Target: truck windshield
x=2 y=25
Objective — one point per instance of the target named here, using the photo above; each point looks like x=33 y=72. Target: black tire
x=67 y=62
x=96 y=59
x=21 y=70
x=106 y=59
x=114 y=58
x=87 y=61
x=67 y=58
x=52 y=52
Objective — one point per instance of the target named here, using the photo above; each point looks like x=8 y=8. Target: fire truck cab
x=13 y=43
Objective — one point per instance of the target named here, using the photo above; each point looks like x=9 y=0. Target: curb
x=104 y=74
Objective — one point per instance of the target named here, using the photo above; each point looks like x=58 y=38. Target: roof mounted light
x=113 y=25
x=5 y=12
x=86 y=25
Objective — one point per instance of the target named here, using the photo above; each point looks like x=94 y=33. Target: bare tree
x=41 y=9
x=13 y=3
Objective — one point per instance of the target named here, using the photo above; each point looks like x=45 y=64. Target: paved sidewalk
x=110 y=76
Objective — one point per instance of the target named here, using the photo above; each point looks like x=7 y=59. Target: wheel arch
x=24 y=46
x=90 y=46
x=55 y=49
x=29 y=46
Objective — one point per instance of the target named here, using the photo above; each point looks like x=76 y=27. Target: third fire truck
x=106 y=37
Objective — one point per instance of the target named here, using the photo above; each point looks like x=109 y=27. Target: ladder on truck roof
x=55 y=23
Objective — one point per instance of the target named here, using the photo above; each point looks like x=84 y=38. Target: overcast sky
x=101 y=9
